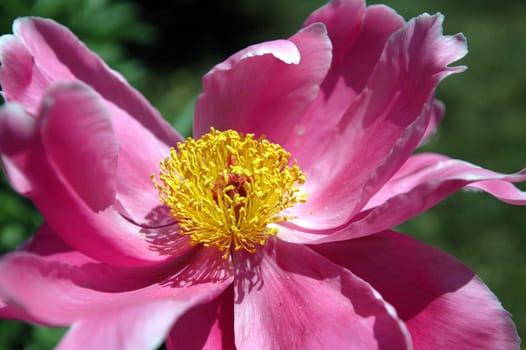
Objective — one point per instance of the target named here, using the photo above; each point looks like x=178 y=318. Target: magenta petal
x=4 y=310
x=435 y=169
x=503 y=189
x=421 y=183
x=42 y=52
x=360 y=38
x=60 y=56
x=62 y=175
x=424 y=181
x=45 y=242
x=137 y=162
x=383 y=126
x=265 y=85
x=78 y=139
x=61 y=286
x=12 y=312
x=137 y=326
x=444 y=304
x=17 y=131
x=21 y=79
x=343 y=20
x=360 y=59
x=207 y=326
x=293 y=298
x=436 y=115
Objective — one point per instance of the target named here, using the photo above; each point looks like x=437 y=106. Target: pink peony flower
x=237 y=243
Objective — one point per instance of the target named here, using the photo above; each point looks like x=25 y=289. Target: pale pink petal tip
x=282 y=50
x=449 y=48
x=265 y=85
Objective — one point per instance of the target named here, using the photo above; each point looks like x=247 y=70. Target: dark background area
x=164 y=48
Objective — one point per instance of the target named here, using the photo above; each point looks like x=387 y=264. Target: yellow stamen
x=225 y=189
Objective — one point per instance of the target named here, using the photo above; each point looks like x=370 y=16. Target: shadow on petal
x=200 y=265
x=247 y=270
x=161 y=232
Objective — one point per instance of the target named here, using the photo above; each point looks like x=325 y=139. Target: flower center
x=227 y=189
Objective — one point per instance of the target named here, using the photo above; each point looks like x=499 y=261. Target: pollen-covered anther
x=227 y=189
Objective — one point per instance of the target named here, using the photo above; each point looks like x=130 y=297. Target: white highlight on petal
x=283 y=50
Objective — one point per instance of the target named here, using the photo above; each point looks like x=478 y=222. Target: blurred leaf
x=45 y=338
x=106 y=26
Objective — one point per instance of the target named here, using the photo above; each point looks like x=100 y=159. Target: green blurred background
x=165 y=48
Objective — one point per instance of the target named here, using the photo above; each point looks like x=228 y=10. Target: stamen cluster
x=227 y=189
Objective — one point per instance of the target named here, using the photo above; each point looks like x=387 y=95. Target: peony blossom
x=271 y=228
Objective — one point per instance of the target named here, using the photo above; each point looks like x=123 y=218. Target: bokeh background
x=164 y=47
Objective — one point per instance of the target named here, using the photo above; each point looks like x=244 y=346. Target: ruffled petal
x=265 y=86
x=383 y=126
x=358 y=37
x=4 y=310
x=17 y=134
x=62 y=175
x=78 y=139
x=436 y=116
x=207 y=326
x=429 y=168
x=56 y=285
x=43 y=52
x=443 y=303
x=20 y=78
x=421 y=183
x=10 y=311
x=140 y=155
x=343 y=20
x=293 y=298
x=137 y=326
x=58 y=55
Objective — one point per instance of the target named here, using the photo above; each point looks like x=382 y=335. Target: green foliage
x=17 y=218
x=104 y=25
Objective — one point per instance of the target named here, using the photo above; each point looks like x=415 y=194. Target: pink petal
x=62 y=286
x=137 y=326
x=358 y=37
x=343 y=20
x=383 y=126
x=421 y=183
x=4 y=310
x=67 y=179
x=59 y=55
x=12 y=312
x=21 y=79
x=293 y=298
x=79 y=140
x=17 y=132
x=207 y=326
x=265 y=86
x=436 y=115
x=45 y=52
x=444 y=304
x=429 y=168
x=503 y=189
x=45 y=242
x=137 y=162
